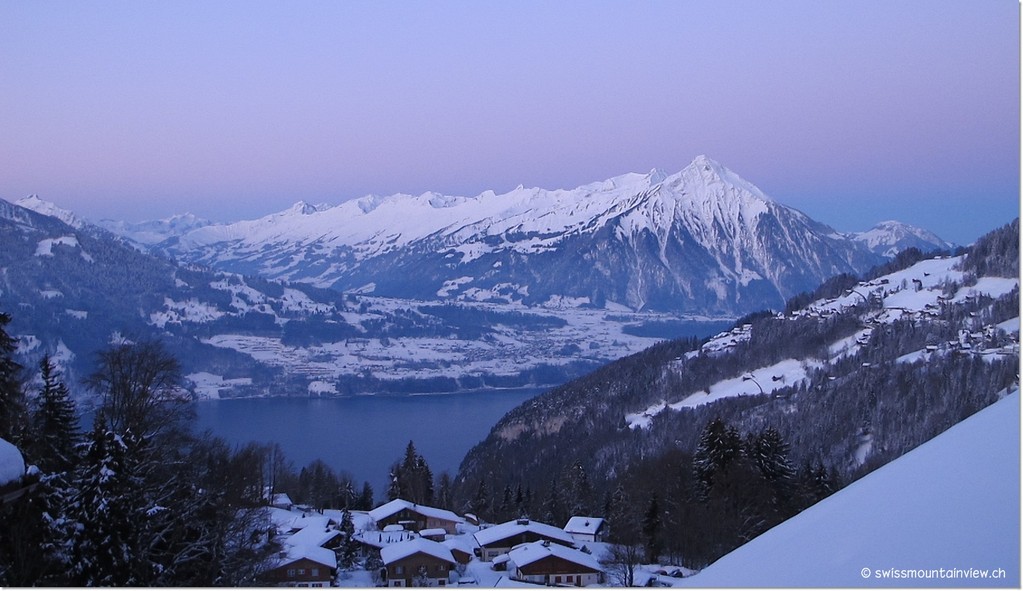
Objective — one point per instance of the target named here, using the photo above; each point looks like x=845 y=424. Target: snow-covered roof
x=12 y=464
x=387 y=509
x=313 y=536
x=584 y=525
x=515 y=527
x=458 y=543
x=433 y=531
x=525 y=554
x=315 y=553
x=281 y=499
x=395 y=552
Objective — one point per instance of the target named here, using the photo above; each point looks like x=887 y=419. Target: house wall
x=302 y=572
x=402 y=573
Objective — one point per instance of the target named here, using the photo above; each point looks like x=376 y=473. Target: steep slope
x=952 y=503
x=702 y=240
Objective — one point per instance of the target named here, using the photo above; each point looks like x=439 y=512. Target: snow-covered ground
x=927 y=519
x=914 y=291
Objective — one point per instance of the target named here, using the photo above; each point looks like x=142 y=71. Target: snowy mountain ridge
x=703 y=240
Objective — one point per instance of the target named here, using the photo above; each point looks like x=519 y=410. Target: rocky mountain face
x=702 y=241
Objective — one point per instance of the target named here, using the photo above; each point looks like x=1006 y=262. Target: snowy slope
x=952 y=503
x=915 y=292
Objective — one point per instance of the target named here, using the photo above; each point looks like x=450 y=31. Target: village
x=404 y=544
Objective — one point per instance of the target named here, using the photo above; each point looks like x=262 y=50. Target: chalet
x=499 y=539
x=586 y=529
x=553 y=564
x=303 y=566
x=417 y=562
x=414 y=517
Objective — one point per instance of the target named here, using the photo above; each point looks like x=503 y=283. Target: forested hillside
x=727 y=437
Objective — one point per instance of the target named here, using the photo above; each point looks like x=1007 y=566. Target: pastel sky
x=851 y=111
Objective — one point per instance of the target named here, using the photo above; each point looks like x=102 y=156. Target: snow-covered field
x=946 y=514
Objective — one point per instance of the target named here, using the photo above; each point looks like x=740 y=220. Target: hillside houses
x=403 y=544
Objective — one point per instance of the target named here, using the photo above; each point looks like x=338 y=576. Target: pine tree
x=444 y=494
x=552 y=510
x=481 y=502
x=365 y=501
x=719 y=446
x=13 y=407
x=349 y=546
x=578 y=490
x=651 y=529
x=105 y=539
x=56 y=423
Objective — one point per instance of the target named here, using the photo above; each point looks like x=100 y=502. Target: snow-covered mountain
x=153 y=232
x=702 y=240
x=888 y=238
x=34 y=203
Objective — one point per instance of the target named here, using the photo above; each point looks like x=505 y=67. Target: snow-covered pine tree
x=349 y=549
x=105 y=513
x=719 y=446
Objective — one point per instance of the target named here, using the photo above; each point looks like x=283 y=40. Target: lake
x=364 y=435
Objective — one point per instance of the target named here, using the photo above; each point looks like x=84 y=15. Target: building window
x=399 y=570
x=315 y=572
x=291 y=572
x=557 y=579
x=301 y=572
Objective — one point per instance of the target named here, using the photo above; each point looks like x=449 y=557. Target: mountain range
x=423 y=293
x=700 y=241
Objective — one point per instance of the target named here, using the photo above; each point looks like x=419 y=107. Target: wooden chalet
x=417 y=563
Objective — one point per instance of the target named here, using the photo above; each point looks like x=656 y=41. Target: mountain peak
x=706 y=172
x=34 y=203
x=304 y=208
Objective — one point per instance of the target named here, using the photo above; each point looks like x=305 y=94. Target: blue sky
x=853 y=112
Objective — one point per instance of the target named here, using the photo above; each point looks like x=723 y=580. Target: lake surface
x=364 y=435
